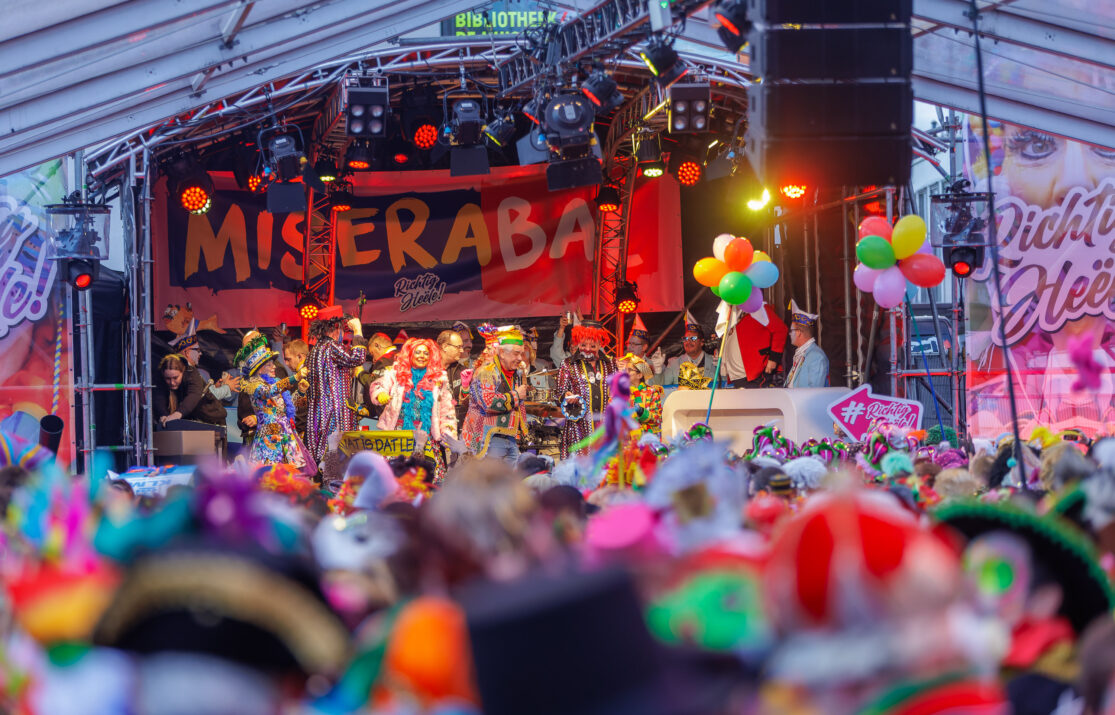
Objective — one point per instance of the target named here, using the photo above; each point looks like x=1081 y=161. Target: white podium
x=800 y=414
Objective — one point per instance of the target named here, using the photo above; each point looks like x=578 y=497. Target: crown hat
x=509 y=335
x=801 y=317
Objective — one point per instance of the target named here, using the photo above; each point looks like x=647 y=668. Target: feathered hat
x=590 y=330
x=254 y=355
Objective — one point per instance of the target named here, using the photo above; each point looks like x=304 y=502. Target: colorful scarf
x=418 y=404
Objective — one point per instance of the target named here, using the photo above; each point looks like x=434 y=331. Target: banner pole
x=719 y=361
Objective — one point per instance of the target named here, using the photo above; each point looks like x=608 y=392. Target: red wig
x=405 y=358
x=582 y=333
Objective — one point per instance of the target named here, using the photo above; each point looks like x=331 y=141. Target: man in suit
x=811 y=366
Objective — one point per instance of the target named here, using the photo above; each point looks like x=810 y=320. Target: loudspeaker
x=830 y=161
x=572 y=173
x=822 y=110
x=829 y=12
x=836 y=53
x=284 y=198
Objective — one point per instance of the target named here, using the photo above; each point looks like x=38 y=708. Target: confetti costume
x=276 y=441
x=588 y=379
x=494 y=406
x=330 y=370
x=647 y=401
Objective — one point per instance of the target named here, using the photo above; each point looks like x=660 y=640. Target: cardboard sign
x=154 y=481
x=389 y=443
x=855 y=411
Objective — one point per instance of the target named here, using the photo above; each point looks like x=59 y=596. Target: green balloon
x=875 y=252
x=735 y=288
x=715 y=290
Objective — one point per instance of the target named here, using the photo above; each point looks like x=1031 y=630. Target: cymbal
x=543 y=373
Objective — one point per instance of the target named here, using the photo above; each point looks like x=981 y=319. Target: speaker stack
x=831 y=103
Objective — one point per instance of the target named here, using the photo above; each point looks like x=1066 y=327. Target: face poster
x=1055 y=204
x=35 y=370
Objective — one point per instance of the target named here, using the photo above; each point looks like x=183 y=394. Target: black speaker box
x=832 y=53
x=571 y=173
x=827 y=109
x=829 y=160
x=824 y=12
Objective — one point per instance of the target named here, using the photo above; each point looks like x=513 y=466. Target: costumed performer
x=496 y=418
x=754 y=346
x=693 y=353
x=811 y=365
x=276 y=440
x=415 y=395
x=646 y=399
x=582 y=383
x=330 y=367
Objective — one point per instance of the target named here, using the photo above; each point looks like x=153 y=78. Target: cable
x=992 y=230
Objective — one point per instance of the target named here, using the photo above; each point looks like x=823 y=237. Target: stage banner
x=36 y=372
x=1055 y=202
x=420 y=246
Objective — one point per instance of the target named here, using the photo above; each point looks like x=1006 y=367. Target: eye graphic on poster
x=1055 y=202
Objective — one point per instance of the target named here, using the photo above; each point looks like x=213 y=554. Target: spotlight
x=792 y=191
x=607 y=199
x=685 y=168
x=734 y=26
x=359 y=155
x=80 y=273
x=195 y=197
x=325 y=168
x=340 y=200
x=567 y=123
x=962 y=260
x=308 y=306
x=286 y=159
x=425 y=136
x=759 y=203
x=533 y=109
x=648 y=154
x=602 y=90
x=466 y=127
x=627 y=297
x=663 y=62
x=654 y=169
x=500 y=132
x=689 y=108
x=190 y=184
x=255 y=182
x=367 y=109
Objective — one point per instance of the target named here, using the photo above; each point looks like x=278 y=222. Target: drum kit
x=543 y=415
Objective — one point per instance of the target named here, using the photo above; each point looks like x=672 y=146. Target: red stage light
x=254 y=182
x=962 y=269
x=337 y=208
x=358 y=164
x=401 y=158
x=425 y=136
x=309 y=311
x=728 y=24
x=83 y=281
x=793 y=191
x=627 y=306
x=689 y=173
x=195 y=199
x=608 y=208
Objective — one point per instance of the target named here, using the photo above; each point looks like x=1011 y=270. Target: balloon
x=760 y=256
x=715 y=290
x=753 y=302
x=719 y=244
x=763 y=274
x=908 y=235
x=709 y=271
x=922 y=270
x=864 y=278
x=875 y=226
x=738 y=254
x=926 y=247
x=890 y=288
x=875 y=252
x=735 y=288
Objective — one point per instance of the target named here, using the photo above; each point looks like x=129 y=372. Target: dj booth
x=799 y=413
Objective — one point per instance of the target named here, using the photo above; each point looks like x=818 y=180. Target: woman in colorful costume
x=330 y=367
x=415 y=395
x=645 y=398
x=276 y=441
x=496 y=417
x=582 y=383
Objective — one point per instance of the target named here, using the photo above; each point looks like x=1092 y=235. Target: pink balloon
x=890 y=287
x=865 y=278
x=753 y=302
x=875 y=226
x=926 y=247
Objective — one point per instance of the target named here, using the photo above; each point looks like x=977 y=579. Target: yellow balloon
x=908 y=235
x=760 y=256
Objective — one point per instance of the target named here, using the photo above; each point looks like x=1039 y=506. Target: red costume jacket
x=759 y=343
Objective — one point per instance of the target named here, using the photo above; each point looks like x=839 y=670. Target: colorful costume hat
x=800 y=317
x=639 y=330
x=639 y=364
x=691 y=324
x=590 y=330
x=509 y=335
x=462 y=327
x=1066 y=552
x=186 y=342
x=490 y=333
x=252 y=356
x=401 y=338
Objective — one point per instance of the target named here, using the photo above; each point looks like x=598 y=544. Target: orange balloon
x=738 y=255
x=709 y=271
x=428 y=651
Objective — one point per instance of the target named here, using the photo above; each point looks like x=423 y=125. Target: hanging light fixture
x=607 y=198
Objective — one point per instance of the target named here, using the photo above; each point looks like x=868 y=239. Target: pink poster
x=1055 y=202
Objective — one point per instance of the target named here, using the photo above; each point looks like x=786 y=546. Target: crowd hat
x=509 y=335
x=462 y=327
x=639 y=329
x=691 y=324
x=800 y=317
x=186 y=342
x=401 y=338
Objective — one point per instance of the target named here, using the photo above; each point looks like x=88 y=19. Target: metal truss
x=605 y=30
x=320 y=262
x=611 y=250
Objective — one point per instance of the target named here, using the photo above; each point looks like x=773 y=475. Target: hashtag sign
x=852 y=411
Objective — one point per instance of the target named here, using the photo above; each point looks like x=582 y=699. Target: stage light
x=190 y=184
x=793 y=191
x=359 y=155
x=533 y=109
x=80 y=273
x=255 y=181
x=689 y=108
x=500 y=132
x=662 y=61
x=607 y=199
x=400 y=158
x=602 y=91
x=759 y=203
x=734 y=26
x=467 y=125
x=286 y=159
x=627 y=297
x=308 y=306
x=340 y=201
x=367 y=109
x=567 y=123
x=425 y=136
x=962 y=260
x=195 y=198
x=325 y=168
x=688 y=172
x=654 y=169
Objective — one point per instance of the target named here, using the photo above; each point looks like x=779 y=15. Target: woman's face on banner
x=1041 y=168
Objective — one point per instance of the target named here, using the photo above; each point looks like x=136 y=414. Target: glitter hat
x=800 y=317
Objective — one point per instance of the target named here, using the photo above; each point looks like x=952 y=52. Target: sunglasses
x=692 y=340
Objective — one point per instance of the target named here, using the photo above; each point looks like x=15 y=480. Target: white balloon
x=719 y=244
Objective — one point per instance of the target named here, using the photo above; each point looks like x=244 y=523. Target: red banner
x=420 y=246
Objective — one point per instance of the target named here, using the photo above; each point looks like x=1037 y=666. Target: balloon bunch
x=891 y=256
x=735 y=270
